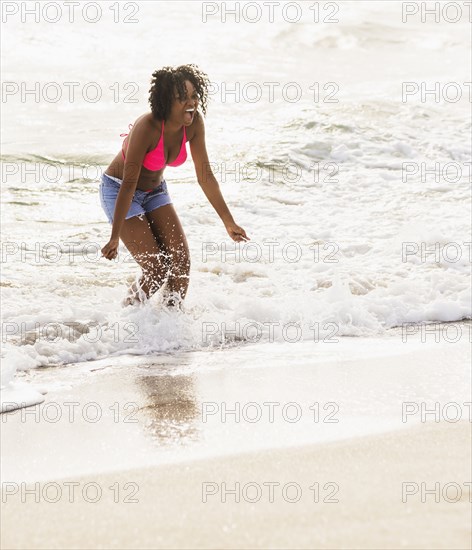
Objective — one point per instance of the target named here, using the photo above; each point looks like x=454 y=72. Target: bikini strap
x=129 y=128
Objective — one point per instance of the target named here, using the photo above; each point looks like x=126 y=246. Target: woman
x=134 y=193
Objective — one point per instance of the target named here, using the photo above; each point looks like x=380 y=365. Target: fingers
x=242 y=234
x=109 y=252
x=238 y=235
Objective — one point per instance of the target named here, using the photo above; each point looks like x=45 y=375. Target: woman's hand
x=110 y=250
x=236 y=233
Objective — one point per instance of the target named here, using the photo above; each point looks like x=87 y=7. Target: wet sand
x=351 y=472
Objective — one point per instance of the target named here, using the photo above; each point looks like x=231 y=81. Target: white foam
x=17 y=395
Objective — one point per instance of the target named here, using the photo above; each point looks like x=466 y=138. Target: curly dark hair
x=165 y=80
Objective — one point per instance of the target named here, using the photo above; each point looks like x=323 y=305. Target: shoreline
x=187 y=406
x=350 y=420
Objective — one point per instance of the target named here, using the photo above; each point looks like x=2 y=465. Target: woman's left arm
x=209 y=184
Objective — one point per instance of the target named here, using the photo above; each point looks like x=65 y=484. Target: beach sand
x=360 y=482
x=367 y=475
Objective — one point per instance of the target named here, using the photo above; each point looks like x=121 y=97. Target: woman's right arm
x=136 y=150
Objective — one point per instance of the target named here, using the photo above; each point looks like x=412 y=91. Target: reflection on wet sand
x=170 y=412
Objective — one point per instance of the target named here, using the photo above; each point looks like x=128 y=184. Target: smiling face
x=183 y=110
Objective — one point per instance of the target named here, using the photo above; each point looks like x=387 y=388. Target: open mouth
x=189 y=114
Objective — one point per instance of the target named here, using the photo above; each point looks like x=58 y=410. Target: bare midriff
x=148 y=179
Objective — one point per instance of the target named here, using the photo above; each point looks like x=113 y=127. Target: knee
x=156 y=262
x=180 y=259
x=157 y=269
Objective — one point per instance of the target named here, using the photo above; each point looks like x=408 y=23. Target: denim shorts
x=141 y=203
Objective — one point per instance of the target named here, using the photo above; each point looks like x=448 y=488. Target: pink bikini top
x=155 y=159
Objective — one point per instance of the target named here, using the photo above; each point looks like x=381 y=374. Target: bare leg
x=169 y=233
x=138 y=238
